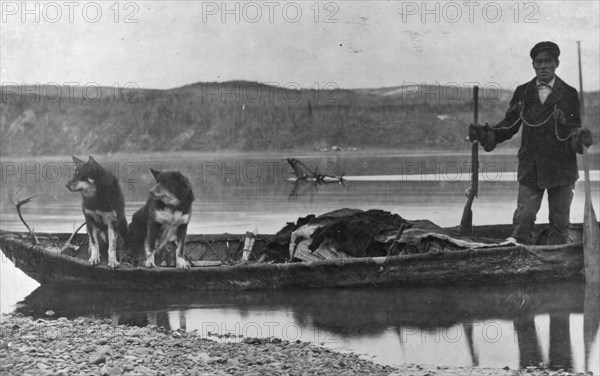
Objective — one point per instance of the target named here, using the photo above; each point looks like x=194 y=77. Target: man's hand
x=484 y=134
x=474 y=131
x=582 y=137
x=478 y=132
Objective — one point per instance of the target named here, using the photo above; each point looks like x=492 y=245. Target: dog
x=163 y=219
x=103 y=207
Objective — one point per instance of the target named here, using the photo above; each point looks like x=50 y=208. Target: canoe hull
x=481 y=266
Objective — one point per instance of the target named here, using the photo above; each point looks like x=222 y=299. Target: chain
x=539 y=124
x=522 y=119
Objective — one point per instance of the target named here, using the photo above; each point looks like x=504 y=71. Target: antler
x=18 y=203
x=68 y=243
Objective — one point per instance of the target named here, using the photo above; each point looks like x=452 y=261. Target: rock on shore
x=97 y=347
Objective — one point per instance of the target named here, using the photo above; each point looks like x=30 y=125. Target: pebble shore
x=97 y=347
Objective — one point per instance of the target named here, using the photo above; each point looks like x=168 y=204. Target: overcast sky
x=349 y=44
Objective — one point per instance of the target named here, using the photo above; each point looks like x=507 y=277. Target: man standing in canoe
x=549 y=111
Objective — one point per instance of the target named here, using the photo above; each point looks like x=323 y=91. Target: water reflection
x=591 y=320
x=530 y=352
x=423 y=319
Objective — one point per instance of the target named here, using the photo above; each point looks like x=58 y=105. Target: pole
x=591 y=231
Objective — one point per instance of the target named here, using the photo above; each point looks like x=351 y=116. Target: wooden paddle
x=591 y=232
x=591 y=320
x=466 y=222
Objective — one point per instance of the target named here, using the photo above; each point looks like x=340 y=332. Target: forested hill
x=240 y=115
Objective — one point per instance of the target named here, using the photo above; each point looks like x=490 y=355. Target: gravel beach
x=97 y=347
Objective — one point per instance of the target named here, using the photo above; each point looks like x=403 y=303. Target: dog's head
x=172 y=188
x=85 y=175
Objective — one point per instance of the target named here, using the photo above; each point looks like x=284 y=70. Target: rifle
x=466 y=222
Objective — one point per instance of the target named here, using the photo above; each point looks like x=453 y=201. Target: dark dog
x=103 y=207
x=164 y=218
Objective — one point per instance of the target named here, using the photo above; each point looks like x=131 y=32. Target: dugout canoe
x=514 y=263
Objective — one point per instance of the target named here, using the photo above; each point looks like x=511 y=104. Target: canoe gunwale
x=535 y=250
x=502 y=264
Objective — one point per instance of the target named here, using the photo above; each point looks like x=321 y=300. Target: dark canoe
x=49 y=266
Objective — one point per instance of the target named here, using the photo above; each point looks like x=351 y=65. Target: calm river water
x=489 y=326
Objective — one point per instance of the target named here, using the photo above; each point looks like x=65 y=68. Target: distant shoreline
x=300 y=153
x=152 y=155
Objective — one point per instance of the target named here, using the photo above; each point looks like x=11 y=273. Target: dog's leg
x=112 y=245
x=149 y=253
x=180 y=260
x=94 y=243
x=149 y=244
x=94 y=250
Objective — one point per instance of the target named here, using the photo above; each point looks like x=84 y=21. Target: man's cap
x=545 y=46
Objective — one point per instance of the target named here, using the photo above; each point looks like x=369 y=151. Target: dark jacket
x=547 y=157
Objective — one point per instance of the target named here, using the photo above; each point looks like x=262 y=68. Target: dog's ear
x=155 y=173
x=77 y=160
x=92 y=160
